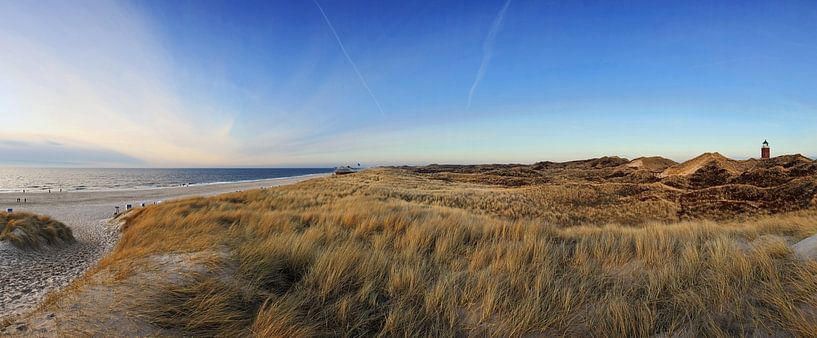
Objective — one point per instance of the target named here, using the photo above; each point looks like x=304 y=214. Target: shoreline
x=137 y=189
x=27 y=277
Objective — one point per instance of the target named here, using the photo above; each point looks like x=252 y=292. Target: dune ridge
x=651 y=163
x=691 y=166
x=581 y=248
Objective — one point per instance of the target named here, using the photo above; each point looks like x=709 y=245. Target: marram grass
x=384 y=253
x=29 y=231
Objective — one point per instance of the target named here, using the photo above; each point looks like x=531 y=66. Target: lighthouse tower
x=765 y=151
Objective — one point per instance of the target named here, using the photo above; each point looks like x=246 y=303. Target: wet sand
x=27 y=277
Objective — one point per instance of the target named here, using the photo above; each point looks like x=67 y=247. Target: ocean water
x=79 y=179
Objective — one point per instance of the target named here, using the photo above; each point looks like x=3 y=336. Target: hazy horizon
x=161 y=84
x=81 y=166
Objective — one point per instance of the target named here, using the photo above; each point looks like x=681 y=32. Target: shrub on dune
x=30 y=231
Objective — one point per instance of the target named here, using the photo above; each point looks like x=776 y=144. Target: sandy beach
x=27 y=277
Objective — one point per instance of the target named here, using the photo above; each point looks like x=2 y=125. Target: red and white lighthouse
x=765 y=151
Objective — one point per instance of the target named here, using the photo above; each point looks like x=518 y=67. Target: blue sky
x=267 y=83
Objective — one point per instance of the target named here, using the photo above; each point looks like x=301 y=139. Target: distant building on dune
x=765 y=151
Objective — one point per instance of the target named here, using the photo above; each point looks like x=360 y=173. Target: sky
x=331 y=82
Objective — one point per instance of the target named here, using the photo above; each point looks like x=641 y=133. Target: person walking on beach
x=18 y=200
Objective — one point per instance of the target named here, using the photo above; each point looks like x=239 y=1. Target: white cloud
x=95 y=75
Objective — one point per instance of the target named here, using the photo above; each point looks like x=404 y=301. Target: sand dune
x=651 y=163
x=444 y=255
x=26 y=277
x=691 y=166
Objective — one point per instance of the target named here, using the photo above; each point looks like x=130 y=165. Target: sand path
x=26 y=277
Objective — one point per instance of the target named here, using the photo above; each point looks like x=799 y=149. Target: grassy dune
x=391 y=253
x=29 y=231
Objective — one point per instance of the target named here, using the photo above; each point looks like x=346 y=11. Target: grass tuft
x=29 y=231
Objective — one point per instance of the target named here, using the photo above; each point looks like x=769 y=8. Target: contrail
x=487 y=50
x=348 y=58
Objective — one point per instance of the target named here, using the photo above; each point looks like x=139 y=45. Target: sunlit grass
x=391 y=254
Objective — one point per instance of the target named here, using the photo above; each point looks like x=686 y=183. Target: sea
x=14 y=179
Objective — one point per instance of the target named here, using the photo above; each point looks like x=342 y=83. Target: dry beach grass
x=29 y=231
x=28 y=276
x=398 y=252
